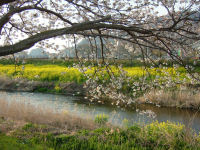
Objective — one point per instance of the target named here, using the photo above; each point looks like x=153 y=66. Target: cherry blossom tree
x=164 y=25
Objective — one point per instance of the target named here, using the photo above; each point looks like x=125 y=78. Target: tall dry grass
x=178 y=98
x=25 y=112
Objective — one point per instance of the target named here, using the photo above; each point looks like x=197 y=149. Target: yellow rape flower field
x=43 y=73
x=69 y=74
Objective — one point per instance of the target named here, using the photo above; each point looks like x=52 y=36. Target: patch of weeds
x=135 y=129
x=84 y=132
x=57 y=89
x=126 y=123
x=2 y=119
x=101 y=119
x=101 y=130
x=12 y=143
x=29 y=126
x=41 y=89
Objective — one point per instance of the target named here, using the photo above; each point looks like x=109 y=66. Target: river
x=81 y=107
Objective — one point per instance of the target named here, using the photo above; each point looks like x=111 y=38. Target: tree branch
x=29 y=42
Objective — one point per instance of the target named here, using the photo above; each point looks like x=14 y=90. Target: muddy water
x=79 y=106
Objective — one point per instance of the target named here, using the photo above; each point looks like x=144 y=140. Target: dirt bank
x=24 y=85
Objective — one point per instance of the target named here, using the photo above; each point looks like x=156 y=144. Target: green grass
x=70 y=62
x=13 y=143
x=160 y=136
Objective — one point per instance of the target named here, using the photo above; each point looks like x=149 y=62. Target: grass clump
x=101 y=119
x=13 y=143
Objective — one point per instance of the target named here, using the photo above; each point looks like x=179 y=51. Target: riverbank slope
x=23 y=126
x=187 y=98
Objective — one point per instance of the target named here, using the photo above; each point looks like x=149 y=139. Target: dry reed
x=178 y=98
x=25 y=112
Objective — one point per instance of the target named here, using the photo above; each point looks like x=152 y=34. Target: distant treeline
x=71 y=62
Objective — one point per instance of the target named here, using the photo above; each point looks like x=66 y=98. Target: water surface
x=80 y=106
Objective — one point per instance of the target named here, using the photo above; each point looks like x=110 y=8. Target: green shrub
x=28 y=126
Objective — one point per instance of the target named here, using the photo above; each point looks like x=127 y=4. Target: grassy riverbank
x=23 y=126
x=154 y=136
